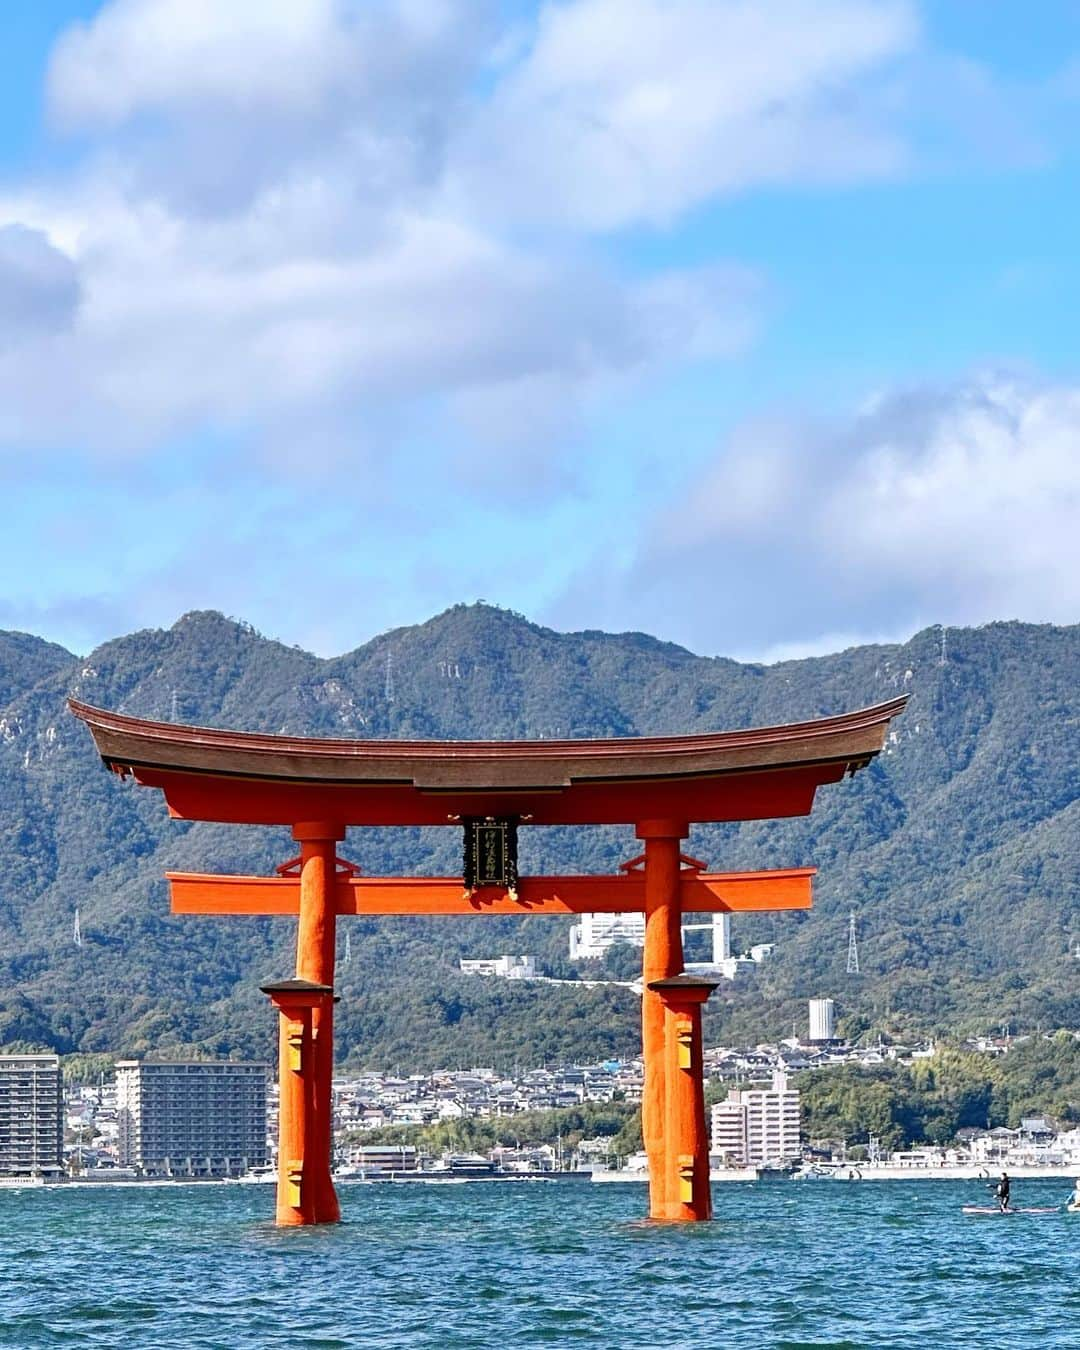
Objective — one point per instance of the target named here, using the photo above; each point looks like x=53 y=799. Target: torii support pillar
x=686 y=1138
x=305 y=1191
x=316 y=940
x=662 y=958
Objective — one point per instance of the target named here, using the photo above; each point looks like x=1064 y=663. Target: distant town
x=216 y=1120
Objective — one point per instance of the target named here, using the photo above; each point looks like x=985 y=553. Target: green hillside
x=959 y=849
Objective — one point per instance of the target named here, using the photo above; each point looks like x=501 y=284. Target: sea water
x=784 y=1264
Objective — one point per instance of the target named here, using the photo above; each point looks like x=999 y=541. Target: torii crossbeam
x=699 y=893
x=658 y=785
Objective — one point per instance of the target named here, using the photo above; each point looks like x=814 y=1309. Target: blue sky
x=750 y=325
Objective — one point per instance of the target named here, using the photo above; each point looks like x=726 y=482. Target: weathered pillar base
x=305 y=1189
x=685 y=1185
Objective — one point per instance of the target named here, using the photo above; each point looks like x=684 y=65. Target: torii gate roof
x=249 y=778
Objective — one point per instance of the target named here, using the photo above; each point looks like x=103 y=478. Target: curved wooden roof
x=213 y=774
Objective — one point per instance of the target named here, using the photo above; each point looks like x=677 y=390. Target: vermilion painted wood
x=743 y=796
x=658 y=784
x=685 y=1136
x=662 y=957
x=239 y=777
x=699 y=893
x=315 y=949
x=301 y=1184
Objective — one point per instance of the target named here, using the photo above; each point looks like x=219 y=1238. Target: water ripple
x=814 y=1267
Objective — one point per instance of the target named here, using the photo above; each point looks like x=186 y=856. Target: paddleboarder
x=1002 y=1192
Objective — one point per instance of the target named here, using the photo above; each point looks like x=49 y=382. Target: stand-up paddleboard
x=994 y=1209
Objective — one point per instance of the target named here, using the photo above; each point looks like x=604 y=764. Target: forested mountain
x=959 y=849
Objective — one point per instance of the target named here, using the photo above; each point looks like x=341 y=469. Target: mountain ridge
x=958 y=847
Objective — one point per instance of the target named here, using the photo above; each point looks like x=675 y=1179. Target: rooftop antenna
x=76 y=930
x=852 y=947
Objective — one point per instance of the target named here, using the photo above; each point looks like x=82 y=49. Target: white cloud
x=184 y=325
x=266 y=245
x=211 y=107
x=625 y=111
x=956 y=504
x=987 y=502
x=308 y=220
x=39 y=285
x=140 y=55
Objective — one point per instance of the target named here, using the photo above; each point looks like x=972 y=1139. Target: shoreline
x=853 y=1172
x=848 y=1172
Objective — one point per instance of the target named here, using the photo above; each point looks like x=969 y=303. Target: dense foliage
x=566 y=1126
x=932 y=1099
x=959 y=849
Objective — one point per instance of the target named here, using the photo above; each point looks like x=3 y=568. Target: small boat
x=995 y=1209
x=257 y=1176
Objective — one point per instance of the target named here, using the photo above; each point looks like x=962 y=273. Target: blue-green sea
x=785 y=1264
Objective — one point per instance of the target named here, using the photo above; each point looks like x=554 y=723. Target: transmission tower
x=852 y=947
x=389 y=687
x=347 y=957
x=76 y=929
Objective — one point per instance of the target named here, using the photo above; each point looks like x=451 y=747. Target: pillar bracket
x=687 y=864
x=343 y=869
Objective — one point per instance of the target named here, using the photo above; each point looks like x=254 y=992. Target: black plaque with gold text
x=490 y=853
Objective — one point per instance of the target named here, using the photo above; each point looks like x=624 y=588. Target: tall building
x=202 y=1119
x=758 y=1126
x=31 y=1115
x=597 y=932
x=822 y=1019
x=728 y=1130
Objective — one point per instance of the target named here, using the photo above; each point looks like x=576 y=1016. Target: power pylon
x=852 y=947
x=388 y=686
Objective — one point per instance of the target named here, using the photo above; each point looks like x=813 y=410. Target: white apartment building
x=728 y=1130
x=758 y=1126
x=597 y=932
x=31 y=1116
x=501 y=967
x=203 y=1119
x=822 y=1019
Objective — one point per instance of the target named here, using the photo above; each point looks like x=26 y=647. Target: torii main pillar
x=316 y=940
x=662 y=958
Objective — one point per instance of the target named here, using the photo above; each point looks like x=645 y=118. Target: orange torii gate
x=659 y=785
